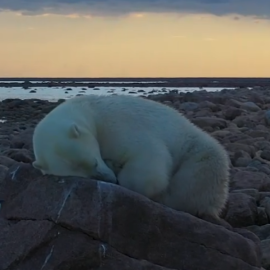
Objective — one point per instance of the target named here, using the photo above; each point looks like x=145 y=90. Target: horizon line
x=133 y=77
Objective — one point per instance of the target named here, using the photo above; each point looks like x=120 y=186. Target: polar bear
x=145 y=146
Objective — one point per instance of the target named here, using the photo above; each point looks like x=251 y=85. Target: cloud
x=258 y=8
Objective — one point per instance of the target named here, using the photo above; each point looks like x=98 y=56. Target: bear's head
x=69 y=150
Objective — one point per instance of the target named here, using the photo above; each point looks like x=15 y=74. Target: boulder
x=76 y=223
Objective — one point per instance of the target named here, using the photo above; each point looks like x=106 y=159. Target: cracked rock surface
x=53 y=223
x=71 y=223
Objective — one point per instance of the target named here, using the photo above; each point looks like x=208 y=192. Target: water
x=65 y=92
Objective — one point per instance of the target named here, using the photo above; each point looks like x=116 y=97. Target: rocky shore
x=77 y=224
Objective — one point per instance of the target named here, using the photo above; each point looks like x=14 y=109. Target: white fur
x=150 y=148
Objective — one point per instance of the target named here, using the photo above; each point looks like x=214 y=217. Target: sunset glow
x=134 y=44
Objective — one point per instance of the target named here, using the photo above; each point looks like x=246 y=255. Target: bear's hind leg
x=199 y=187
x=147 y=174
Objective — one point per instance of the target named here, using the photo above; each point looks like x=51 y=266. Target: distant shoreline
x=135 y=82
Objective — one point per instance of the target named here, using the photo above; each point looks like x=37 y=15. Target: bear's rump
x=197 y=189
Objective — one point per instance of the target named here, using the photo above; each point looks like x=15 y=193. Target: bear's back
x=138 y=113
x=135 y=119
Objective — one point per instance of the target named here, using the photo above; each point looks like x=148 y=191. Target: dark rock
x=215 y=123
x=262 y=216
x=89 y=214
x=241 y=210
x=247 y=179
x=19 y=155
x=265 y=154
x=231 y=113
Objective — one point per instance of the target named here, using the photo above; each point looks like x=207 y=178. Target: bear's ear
x=74 y=131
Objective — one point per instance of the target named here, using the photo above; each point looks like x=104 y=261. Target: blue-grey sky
x=257 y=8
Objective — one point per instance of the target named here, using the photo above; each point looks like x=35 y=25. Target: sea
x=52 y=89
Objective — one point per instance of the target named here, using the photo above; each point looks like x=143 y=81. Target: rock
x=17 y=178
x=263 y=195
x=19 y=155
x=4 y=144
x=241 y=210
x=221 y=133
x=249 y=235
x=262 y=145
x=23 y=139
x=267 y=117
x=266 y=204
x=54 y=212
x=239 y=148
x=3 y=172
x=242 y=162
x=210 y=105
x=265 y=247
x=233 y=103
x=241 y=159
x=262 y=232
x=33 y=233
x=189 y=106
x=231 y=113
x=264 y=134
x=249 y=191
x=6 y=161
x=206 y=112
x=262 y=218
x=259 y=166
x=265 y=154
x=239 y=119
x=82 y=253
x=250 y=106
x=213 y=122
x=246 y=121
x=246 y=180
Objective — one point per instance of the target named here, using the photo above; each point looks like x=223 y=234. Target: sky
x=134 y=38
